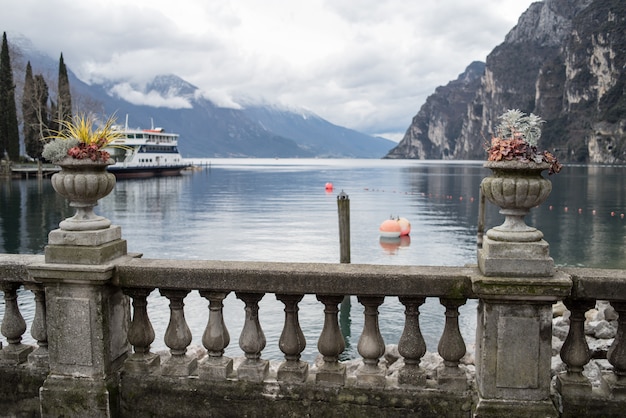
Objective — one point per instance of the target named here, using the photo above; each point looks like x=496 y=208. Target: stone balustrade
x=199 y=384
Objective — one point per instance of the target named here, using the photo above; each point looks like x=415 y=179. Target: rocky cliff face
x=565 y=61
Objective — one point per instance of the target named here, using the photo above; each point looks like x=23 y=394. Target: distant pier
x=27 y=171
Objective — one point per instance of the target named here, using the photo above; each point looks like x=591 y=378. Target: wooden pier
x=28 y=171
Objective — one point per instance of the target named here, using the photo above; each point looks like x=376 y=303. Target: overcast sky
x=364 y=64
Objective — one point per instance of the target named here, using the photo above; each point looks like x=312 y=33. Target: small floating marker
x=566 y=209
x=621 y=215
x=390 y=229
x=329 y=187
x=593 y=212
x=612 y=213
x=550 y=207
x=580 y=210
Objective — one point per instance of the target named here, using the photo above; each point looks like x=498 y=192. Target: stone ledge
x=521 y=259
x=85 y=238
x=151 y=395
x=550 y=288
x=75 y=254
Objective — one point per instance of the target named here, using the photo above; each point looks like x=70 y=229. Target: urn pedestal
x=85 y=238
x=514 y=248
x=88 y=317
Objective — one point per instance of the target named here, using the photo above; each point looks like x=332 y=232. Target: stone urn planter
x=515 y=187
x=515 y=248
x=83 y=182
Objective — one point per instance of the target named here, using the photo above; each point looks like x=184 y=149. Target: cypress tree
x=64 y=99
x=9 y=131
x=40 y=105
x=32 y=140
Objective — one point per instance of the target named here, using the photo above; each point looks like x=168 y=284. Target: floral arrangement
x=516 y=138
x=80 y=139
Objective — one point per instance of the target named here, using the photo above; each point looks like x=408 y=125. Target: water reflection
x=392 y=245
x=29 y=209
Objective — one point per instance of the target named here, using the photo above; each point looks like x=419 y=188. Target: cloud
x=151 y=98
x=366 y=65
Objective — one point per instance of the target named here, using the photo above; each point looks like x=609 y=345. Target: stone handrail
x=300 y=278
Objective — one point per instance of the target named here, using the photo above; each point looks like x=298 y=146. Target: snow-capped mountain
x=206 y=130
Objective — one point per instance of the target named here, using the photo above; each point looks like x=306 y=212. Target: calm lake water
x=279 y=210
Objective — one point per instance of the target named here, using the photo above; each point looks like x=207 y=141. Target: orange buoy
x=390 y=229
x=405 y=226
x=329 y=187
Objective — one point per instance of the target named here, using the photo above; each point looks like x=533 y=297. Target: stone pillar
x=516 y=284
x=514 y=344
x=87 y=319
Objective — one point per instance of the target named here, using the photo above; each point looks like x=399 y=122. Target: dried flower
x=516 y=139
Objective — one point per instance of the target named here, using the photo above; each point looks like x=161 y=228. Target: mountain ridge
x=206 y=129
x=564 y=61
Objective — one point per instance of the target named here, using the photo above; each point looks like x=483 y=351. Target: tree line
x=41 y=116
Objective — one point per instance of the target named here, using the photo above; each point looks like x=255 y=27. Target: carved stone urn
x=515 y=248
x=83 y=182
x=516 y=187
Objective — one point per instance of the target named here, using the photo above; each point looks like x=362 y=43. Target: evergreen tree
x=9 y=131
x=40 y=105
x=64 y=99
x=32 y=140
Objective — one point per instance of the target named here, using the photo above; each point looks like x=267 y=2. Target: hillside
x=207 y=130
x=565 y=61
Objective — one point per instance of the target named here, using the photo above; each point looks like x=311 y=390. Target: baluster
x=215 y=339
x=331 y=344
x=451 y=348
x=39 y=358
x=575 y=351
x=371 y=344
x=412 y=345
x=141 y=334
x=13 y=327
x=617 y=354
x=292 y=342
x=252 y=341
x=178 y=337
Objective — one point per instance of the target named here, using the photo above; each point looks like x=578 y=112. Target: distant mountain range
x=207 y=130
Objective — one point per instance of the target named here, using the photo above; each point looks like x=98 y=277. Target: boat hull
x=147 y=172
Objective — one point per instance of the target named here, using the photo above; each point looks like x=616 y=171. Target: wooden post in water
x=343 y=207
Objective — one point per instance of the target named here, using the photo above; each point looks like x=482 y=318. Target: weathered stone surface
x=19 y=390
x=79 y=254
x=85 y=238
x=168 y=397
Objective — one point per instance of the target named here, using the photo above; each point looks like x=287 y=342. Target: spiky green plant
x=81 y=139
x=81 y=127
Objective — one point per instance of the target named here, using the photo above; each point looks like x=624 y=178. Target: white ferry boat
x=146 y=153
